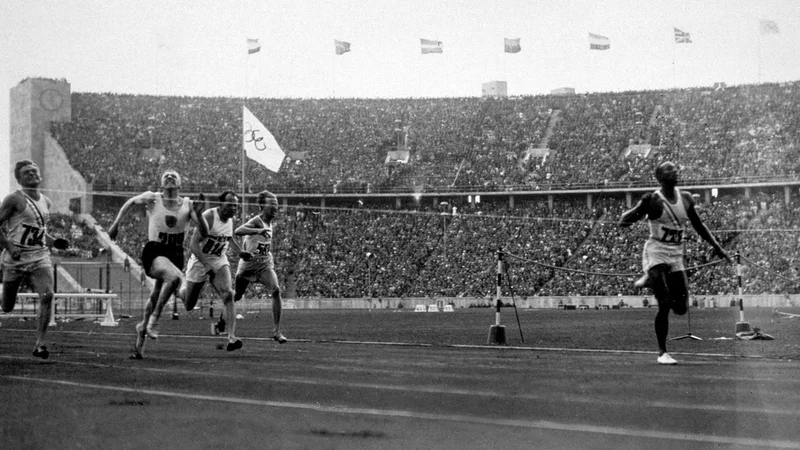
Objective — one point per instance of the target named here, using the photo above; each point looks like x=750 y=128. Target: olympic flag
x=259 y=144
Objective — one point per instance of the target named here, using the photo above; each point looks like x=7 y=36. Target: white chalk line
x=393 y=413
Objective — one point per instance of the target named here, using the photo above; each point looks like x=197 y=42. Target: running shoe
x=41 y=352
x=666 y=359
x=235 y=345
x=152 y=328
x=279 y=337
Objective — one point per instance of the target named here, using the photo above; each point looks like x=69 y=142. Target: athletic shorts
x=153 y=250
x=28 y=263
x=197 y=272
x=253 y=269
x=657 y=252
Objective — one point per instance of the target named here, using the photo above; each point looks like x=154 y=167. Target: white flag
x=597 y=42
x=429 y=46
x=253 y=46
x=259 y=144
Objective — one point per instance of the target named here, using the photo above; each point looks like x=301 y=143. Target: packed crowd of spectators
x=385 y=252
x=763 y=229
x=119 y=141
x=81 y=237
x=745 y=133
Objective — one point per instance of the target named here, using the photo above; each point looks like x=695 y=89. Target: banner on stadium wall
x=297 y=155
x=642 y=150
x=259 y=144
x=397 y=157
x=539 y=152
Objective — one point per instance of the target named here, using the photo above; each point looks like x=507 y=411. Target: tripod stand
x=505 y=269
x=688 y=334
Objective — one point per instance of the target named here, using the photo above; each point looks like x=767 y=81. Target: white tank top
x=258 y=244
x=216 y=244
x=27 y=228
x=669 y=227
x=167 y=226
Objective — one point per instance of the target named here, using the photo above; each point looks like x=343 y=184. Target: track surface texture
x=352 y=379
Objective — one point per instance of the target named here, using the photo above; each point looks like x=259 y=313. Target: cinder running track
x=344 y=395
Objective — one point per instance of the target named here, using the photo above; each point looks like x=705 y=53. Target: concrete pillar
x=747 y=192
x=589 y=201
x=787 y=195
x=550 y=202
x=628 y=200
x=397 y=203
x=511 y=202
x=707 y=196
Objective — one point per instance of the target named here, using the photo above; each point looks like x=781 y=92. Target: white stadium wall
x=494 y=89
x=35 y=103
x=65 y=186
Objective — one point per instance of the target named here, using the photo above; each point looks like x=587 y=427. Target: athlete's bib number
x=262 y=249
x=171 y=239
x=32 y=236
x=671 y=236
x=214 y=245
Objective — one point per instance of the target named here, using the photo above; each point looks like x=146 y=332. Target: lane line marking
x=530 y=424
x=738 y=409
x=429 y=345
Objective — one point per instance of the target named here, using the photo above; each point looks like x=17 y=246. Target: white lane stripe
x=533 y=424
x=427 y=345
x=738 y=409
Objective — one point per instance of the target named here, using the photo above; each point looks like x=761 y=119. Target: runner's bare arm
x=701 y=228
x=11 y=204
x=200 y=218
x=142 y=198
x=638 y=212
x=252 y=226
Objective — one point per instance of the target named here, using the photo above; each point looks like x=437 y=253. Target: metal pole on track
x=513 y=301
x=497 y=332
x=743 y=329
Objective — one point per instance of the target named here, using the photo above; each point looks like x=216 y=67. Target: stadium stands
x=740 y=134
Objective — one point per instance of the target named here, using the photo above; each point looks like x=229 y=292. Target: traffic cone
x=108 y=320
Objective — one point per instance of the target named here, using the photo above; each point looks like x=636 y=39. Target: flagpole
x=759 y=55
x=244 y=157
x=335 y=73
x=588 y=69
x=674 y=44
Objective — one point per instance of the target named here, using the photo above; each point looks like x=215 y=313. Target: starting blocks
x=420 y=308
